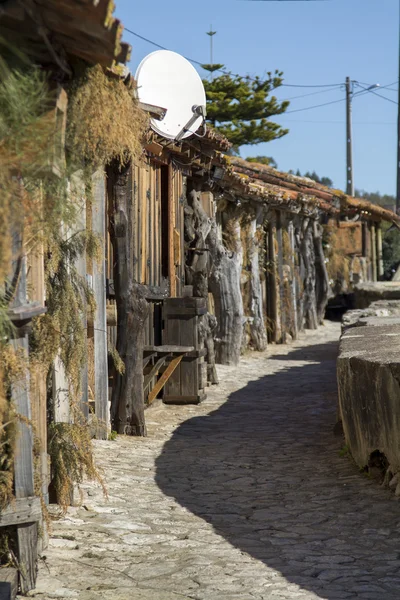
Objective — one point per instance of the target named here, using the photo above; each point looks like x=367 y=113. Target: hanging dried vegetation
x=104 y=119
x=104 y=123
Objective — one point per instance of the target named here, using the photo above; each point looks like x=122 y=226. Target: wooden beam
x=171 y=228
x=164 y=378
x=23 y=465
x=21 y=511
x=100 y=315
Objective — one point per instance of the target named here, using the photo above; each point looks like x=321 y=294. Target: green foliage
x=345 y=451
x=376 y=197
x=112 y=436
x=263 y=160
x=240 y=107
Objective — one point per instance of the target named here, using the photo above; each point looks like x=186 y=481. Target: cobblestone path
x=243 y=497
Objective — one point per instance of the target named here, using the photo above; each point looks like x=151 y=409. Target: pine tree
x=240 y=107
x=263 y=160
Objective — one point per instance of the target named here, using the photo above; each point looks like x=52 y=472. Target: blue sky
x=313 y=43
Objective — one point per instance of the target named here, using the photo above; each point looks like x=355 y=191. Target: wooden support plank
x=143 y=220
x=379 y=254
x=38 y=391
x=171 y=228
x=155 y=370
x=23 y=465
x=79 y=190
x=27 y=554
x=164 y=378
x=23 y=469
x=373 y=253
x=293 y=281
x=273 y=312
x=21 y=511
x=158 y=229
x=100 y=317
x=283 y=316
x=8 y=583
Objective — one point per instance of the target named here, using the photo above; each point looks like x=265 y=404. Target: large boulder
x=366 y=293
x=368 y=372
x=374 y=314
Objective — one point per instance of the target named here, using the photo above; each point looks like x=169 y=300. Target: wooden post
x=280 y=278
x=197 y=227
x=258 y=334
x=294 y=331
x=308 y=256
x=373 y=253
x=379 y=255
x=38 y=389
x=100 y=316
x=171 y=229
x=127 y=404
x=224 y=282
x=23 y=466
x=79 y=185
x=273 y=287
x=322 y=287
x=366 y=245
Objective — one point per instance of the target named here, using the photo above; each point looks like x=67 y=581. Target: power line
x=224 y=71
x=311 y=86
x=336 y=122
x=376 y=94
x=287 y=112
x=312 y=93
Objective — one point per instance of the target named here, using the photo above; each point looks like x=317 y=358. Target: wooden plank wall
x=151 y=198
x=23 y=466
x=100 y=319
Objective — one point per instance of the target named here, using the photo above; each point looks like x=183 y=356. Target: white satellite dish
x=168 y=80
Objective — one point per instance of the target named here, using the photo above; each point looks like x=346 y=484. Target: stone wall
x=368 y=372
x=366 y=293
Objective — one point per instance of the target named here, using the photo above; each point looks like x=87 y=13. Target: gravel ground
x=245 y=496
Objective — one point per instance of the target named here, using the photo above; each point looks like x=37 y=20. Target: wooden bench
x=164 y=359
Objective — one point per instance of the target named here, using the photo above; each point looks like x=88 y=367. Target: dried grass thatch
x=104 y=119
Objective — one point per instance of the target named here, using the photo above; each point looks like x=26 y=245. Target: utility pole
x=349 y=140
x=211 y=33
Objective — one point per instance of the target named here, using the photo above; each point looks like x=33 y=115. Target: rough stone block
x=368 y=372
x=366 y=293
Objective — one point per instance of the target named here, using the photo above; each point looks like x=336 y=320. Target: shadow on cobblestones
x=265 y=471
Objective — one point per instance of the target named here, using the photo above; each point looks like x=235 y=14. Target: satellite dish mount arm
x=198 y=111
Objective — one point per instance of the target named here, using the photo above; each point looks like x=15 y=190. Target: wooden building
x=200 y=255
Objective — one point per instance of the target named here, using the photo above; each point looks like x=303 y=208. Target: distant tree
x=327 y=181
x=263 y=160
x=240 y=107
x=376 y=197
